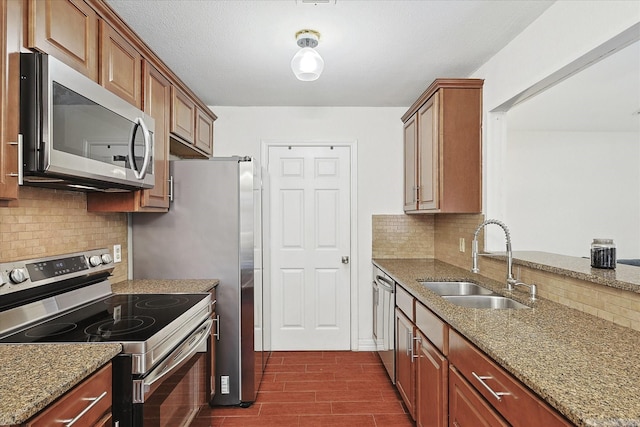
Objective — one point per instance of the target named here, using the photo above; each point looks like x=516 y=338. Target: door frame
x=353 y=238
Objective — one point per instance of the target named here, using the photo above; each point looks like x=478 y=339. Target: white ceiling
x=376 y=52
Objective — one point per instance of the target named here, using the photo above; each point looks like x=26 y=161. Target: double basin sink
x=472 y=295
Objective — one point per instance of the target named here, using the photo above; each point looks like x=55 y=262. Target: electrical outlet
x=224 y=384
x=117 y=253
x=462 y=245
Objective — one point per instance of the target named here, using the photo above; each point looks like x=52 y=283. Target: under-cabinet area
x=544 y=364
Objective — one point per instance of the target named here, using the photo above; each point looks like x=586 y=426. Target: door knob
x=345 y=260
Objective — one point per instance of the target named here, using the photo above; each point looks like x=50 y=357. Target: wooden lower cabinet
x=431 y=385
x=467 y=408
x=405 y=368
x=89 y=403
x=444 y=380
x=510 y=398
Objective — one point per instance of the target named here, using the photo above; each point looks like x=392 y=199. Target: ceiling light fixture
x=307 y=64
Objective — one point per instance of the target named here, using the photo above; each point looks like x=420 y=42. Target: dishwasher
x=383 y=320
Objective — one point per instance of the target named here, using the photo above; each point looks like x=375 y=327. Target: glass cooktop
x=118 y=318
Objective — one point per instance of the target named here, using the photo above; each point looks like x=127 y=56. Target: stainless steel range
x=68 y=299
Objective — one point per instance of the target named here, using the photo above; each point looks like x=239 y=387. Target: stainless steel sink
x=484 y=301
x=457 y=288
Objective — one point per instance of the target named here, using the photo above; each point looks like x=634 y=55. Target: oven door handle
x=175 y=360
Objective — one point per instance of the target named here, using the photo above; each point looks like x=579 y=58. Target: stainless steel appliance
x=208 y=233
x=68 y=299
x=78 y=135
x=384 y=291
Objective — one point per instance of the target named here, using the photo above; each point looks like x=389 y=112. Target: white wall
x=378 y=132
x=566 y=188
x=565 y=32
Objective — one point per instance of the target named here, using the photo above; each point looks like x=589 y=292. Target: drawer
x=433 y=328
x=512 y=399
x=467 y=408
x=405 y=302
x=77 y=400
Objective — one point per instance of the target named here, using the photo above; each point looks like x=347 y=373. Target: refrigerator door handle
x=170 y=188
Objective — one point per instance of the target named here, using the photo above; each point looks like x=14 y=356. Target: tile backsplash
x=51 y=222
x=438 y=236
x=403 y=236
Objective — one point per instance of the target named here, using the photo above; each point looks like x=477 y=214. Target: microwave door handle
x=147 y=148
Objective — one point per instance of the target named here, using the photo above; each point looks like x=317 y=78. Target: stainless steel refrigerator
x=208 y=233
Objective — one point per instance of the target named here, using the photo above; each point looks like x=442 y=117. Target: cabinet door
x=120 y=66
x=410 y=164
x=66 y=29
x=10 y=13
x=405 y=368
x=157 y=103
x=431 y=386
x=183 y=111
x=204 y=132
x=428 y=154
x=89 y=402
x=467 y=408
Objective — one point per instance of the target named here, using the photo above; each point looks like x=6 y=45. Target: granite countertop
x=163 y=286
x=626 y=277
x=32 y=376
x=585 y=367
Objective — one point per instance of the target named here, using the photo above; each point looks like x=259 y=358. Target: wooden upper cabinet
x=120 y=65
x=443 y=148
x=157 y=103
x=183 y=116
x=410 y=163
x=204 y=132
x=10 y=13
x=191 y=126
x=67 y=30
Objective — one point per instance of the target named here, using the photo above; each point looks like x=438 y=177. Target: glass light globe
x=307 y=64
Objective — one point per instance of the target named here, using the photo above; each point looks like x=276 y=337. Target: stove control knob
x=95 y=260
x=106 y=258
x=18 y=275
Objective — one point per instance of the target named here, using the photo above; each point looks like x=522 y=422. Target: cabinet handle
x=415 y=354
x=409 y=344
x=20 y=173
x=94 y=402
x=496 y=394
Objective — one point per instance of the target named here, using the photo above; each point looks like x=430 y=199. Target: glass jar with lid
x=603 y=253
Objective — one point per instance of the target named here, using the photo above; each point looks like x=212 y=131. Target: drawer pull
x=94 y=402
x=415 y=348
x=497 y=394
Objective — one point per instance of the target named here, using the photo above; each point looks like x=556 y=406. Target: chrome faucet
x=474 y=251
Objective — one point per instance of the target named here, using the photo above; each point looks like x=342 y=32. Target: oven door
x=171 y=394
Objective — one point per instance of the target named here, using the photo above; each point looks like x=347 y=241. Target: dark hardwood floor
x=326 y=388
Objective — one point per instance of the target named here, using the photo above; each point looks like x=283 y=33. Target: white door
x=310 y=234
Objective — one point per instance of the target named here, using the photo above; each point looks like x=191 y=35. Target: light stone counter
x=32 y=376
x=585 y=367
x=163 y=286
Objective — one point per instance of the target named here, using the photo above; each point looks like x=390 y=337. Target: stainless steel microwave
x=77 y=135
